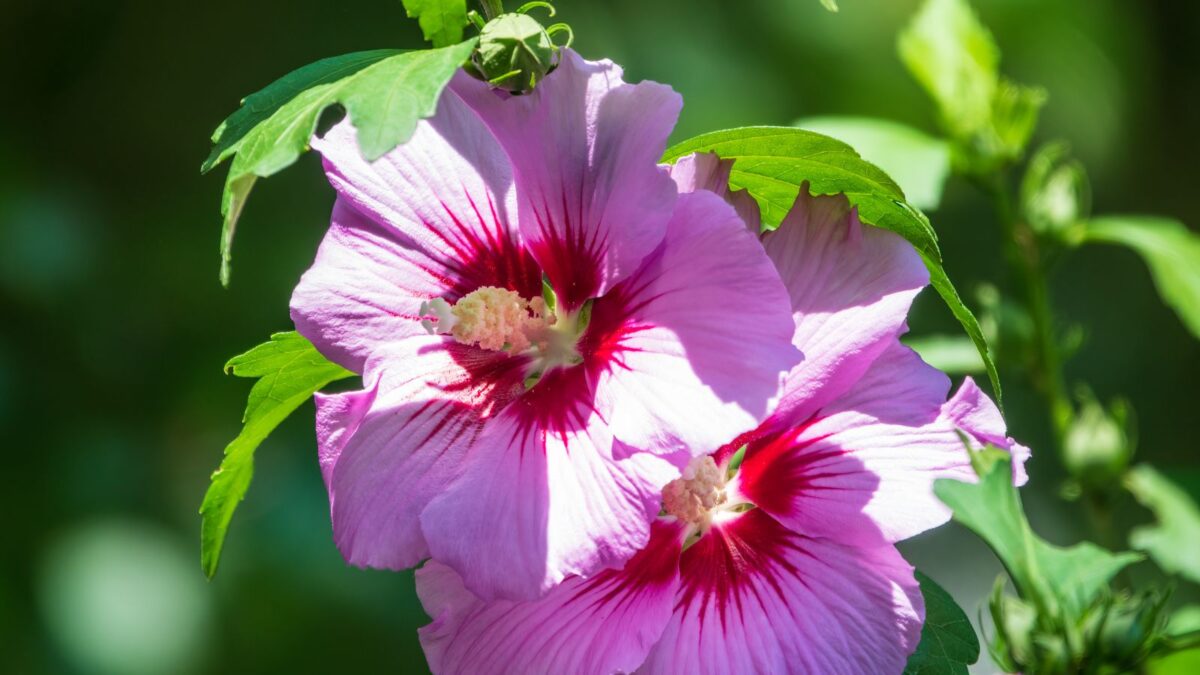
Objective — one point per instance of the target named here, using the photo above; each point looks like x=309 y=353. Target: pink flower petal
x=705 y=171
x=541 y=498
x=704 y=339
x=432 y=398
x=851 y=286
x=338 y=417
x=432 y=218
x=862 y=469
x=584 y=146
x=757 y=598
x=600 y=625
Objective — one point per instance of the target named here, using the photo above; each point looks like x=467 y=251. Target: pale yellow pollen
x=491 y=317
x=695 y=496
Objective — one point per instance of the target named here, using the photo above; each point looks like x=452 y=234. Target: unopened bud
x=1055 y=193
x=515 y=53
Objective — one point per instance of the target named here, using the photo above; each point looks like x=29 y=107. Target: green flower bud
x=515 y=53
x=1098 y=445
x=1055 y=193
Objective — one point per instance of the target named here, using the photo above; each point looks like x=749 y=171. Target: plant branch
x=1028 y=263
x=492 y=8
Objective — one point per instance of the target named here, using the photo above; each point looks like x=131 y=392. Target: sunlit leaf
x=773 y=162
x=441 y=21
x=954 y=58
x=1064 y=581
x=290 y=370
x=1170 y=250
x=954 y=354
x=948 y=642
x=385 y=93
x=1174 y=541
x=952 y=55
x=917 y=162
x=830 y=5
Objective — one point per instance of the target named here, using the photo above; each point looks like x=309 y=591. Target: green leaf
x=954 y=58
x=952 y=55
x=385 y=93
x=773 y=162
x=954 y=354
x=918 y=162
x=1174 y=542
x=948 y=643
x=1170 y=250
x=830 y=5
x=290 y=370
x=1063 y=582
x=441 y=21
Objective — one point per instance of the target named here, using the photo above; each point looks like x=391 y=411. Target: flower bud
x=1055 y=193
x=515 y=53
x=1098 y=444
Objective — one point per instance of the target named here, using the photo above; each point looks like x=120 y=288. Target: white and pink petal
x=862 y=469
x=697 y=341
x=851 y=286
x=383 y=464
x=432 y=218
x=541 y=496
x=595 y=626
x=757 y=598
x=584 y=146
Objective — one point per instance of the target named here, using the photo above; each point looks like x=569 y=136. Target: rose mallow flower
x=543 y=325
x=787 y=563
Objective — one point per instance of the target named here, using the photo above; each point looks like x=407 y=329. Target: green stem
x=492 y=8
x=1028 y=264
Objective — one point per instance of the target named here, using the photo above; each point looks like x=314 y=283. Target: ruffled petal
x=703 y=338
x=862 y=469
x=584 y=145
x=431 y=218
x=706 y=171
x=599 y=625
x=430 y=400
x=851 y=287
x=541 y=498
x=757 y=598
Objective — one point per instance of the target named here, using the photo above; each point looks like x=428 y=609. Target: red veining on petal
x=570 y=255
x=779 y=466
x=493 y=258
x=654 y=566
x=734 y=561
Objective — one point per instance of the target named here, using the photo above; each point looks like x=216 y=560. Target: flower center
x=498 y=319
x=696 y=496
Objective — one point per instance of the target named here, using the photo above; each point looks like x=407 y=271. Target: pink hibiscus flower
x=787 y=564
x=520 y=436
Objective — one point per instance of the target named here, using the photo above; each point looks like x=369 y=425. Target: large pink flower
x=787 y=564
x=517 y=436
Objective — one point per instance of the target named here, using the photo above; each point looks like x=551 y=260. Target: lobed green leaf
x=773 y=163
x=441 y=21
x=1062 y=582
x=1170 y=250
x=918 y=162
x=384 y=93
x=1174 y=541
x=290 y=370
x=948 y=642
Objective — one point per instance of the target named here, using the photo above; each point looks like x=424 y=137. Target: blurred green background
x=113 y=328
